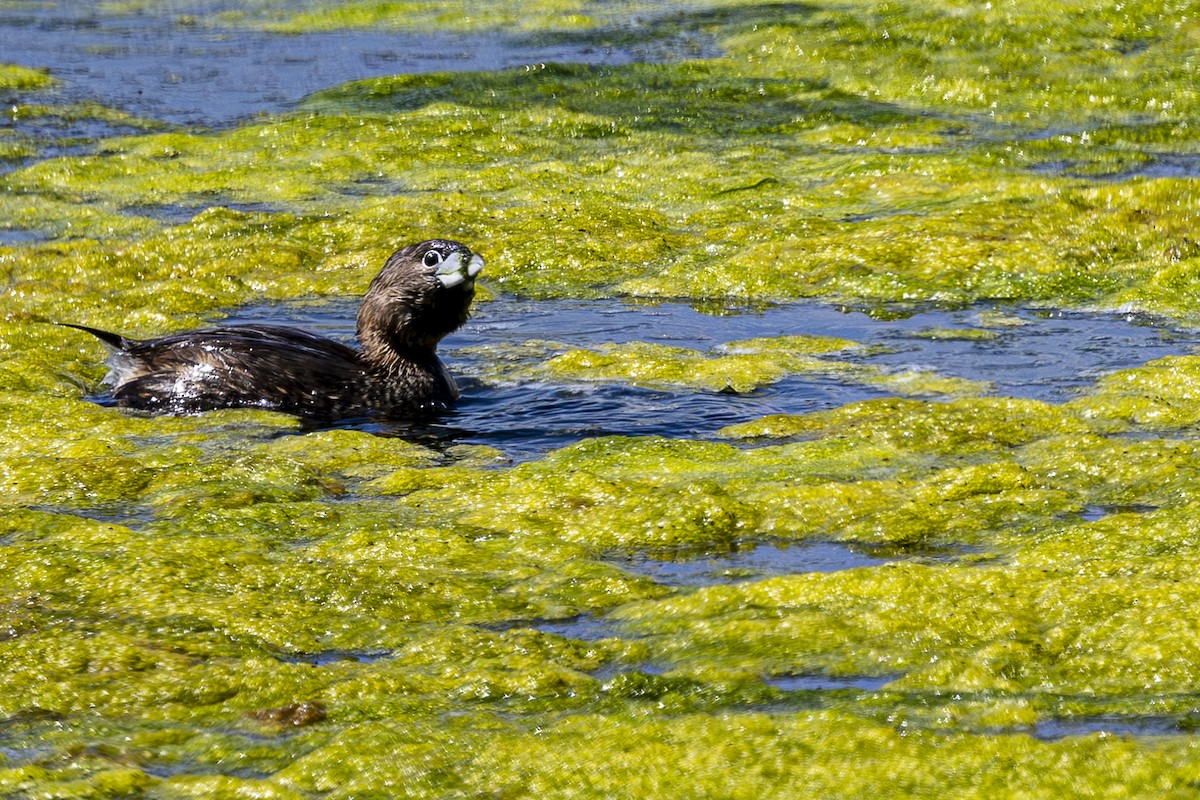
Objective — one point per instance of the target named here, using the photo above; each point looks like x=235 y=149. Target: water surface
x=1038 y=354
x=155 y=65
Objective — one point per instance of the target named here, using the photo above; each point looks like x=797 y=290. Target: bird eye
x=433 y=258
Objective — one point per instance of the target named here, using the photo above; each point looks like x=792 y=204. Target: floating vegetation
x=232 y=604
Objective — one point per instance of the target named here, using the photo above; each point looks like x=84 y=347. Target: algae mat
x=230 y=605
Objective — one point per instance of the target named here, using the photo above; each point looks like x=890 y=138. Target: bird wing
x=261 y=366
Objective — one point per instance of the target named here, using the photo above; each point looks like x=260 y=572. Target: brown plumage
x=423 y=293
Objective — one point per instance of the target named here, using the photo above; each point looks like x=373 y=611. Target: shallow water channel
x=169 y=70
x=1037 y=354
x=150 y=65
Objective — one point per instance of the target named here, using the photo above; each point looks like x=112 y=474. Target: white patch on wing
x=194 y=375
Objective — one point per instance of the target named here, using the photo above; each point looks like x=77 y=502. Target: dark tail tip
x=113 y=340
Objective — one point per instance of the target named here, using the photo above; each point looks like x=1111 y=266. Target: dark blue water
x=829 y=683
x=1050 y=356
x=749 y=561
x=1113 y=725
x=162 y=65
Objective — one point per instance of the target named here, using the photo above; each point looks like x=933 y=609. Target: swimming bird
x=422 y=293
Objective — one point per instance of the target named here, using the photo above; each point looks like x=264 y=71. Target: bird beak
x=454 y=270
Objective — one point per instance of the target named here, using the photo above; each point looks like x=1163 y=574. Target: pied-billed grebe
x=422 y=294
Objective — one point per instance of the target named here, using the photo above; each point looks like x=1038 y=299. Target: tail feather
x=113 y=341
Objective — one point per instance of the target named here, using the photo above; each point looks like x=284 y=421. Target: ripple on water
x=1157 y=165
x=175 y=214
x=690 y=570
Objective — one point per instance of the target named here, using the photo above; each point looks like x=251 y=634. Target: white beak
x=453 y=271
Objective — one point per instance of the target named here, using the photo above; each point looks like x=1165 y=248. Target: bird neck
x=390 y=355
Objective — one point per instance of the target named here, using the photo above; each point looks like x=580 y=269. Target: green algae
x=170 y=581
x=653 y=254
x=17 y=78
x=852 y=622
x=962 y=334
x=984 y=424
x=382 y=578
x=962 y=56
x=422 y=15
x=734 y=367
x=645 y=364
x=1155 y=396
x=971 y=227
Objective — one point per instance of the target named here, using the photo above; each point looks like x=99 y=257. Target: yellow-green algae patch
x=173 y=585
x=738 y=366
x=662 y=201
x=253 y=586
x=246 y=580
x=1160 y=395
x=421 y=15
x=969 y=57
x=965 y=334
x=15 y=77
x=888 y=484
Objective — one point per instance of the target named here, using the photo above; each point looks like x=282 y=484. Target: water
x=829 y=683
x=154 y=65
x=1114 y=725
x=1096 y=512
x=328 y=657
x=584 y=628
x=1049 y=356
x=1158 y=165
x=749 y=561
